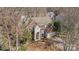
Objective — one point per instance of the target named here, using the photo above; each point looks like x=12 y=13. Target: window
x=37 y=35
x=42 y=33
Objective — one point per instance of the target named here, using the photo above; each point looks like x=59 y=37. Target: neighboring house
x=51 y=15
x=60 y=19
x=22 y=20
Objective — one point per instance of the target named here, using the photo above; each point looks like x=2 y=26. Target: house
x=42 y=29
x=41 y=26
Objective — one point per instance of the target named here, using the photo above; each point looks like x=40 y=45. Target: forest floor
x=42 y=45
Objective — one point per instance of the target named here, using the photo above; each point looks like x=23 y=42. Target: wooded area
x=16 y=24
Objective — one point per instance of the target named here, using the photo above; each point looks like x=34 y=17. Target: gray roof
x=42 y=20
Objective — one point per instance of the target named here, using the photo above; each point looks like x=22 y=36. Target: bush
x=57 y=26
x=23 y=48
x=27 y=36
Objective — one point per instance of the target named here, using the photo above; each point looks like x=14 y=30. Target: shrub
x=22 y=48
x=27 y=36
x=57 y=26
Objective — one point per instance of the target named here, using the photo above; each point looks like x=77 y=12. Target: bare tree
x=71 y=33
x=8 y=32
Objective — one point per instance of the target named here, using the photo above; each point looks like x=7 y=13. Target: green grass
x=23 y=48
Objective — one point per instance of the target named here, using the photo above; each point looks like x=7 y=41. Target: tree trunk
x=17 y=39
